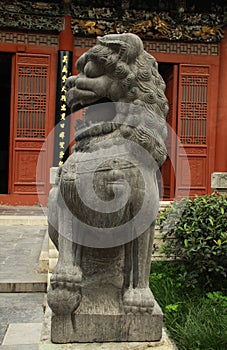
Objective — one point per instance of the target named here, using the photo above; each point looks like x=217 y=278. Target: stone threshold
x=8 y=286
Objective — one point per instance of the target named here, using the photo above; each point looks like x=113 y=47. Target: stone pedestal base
x=107 y=328
x=45 y=343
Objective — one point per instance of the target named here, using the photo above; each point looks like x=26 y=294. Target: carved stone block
x=106 y=327
x=219 y=182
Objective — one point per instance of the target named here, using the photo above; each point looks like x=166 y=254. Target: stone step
x=19 y=286
x=43 y=265
x=9 y=220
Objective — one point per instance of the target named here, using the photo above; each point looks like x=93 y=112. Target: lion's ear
x=118 y=46
x=128 y=46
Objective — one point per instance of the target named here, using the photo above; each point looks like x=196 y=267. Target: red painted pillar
x=62 y=118
x=221 y=136
x=66 y=40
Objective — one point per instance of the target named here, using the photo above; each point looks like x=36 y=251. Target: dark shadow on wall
x=5 y=92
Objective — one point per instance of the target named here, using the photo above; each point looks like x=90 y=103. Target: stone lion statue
x=103 y=207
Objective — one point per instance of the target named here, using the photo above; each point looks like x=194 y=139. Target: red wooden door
x=192 y=173
x=168 y=168
x=31 y=120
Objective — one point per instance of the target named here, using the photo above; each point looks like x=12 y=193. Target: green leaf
x=211 y=221
x=172 y=307
x=218 y=242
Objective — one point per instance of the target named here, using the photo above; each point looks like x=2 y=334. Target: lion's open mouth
x=77 y=106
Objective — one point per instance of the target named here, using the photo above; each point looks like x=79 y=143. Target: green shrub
x=194 y=318
x=195 y=231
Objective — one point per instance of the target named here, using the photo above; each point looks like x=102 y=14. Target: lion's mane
x=139 y=90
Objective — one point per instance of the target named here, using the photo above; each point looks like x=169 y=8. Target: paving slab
x=22 y=333
x=20 y=308
x=20 y=347
x=19 y=258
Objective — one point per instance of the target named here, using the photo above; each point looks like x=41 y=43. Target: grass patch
x=196 y=319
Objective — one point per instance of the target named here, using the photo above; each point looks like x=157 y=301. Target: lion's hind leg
x=137 y=296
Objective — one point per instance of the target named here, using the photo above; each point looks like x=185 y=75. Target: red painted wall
x=221 y=127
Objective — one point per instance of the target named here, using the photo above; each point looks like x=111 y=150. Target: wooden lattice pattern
x=28 y=38
x=193 y=109
x=211 y=49
x=32 y=81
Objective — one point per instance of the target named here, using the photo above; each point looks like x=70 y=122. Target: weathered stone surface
x=103 y=205
x=53 y=174
x=103 y=327
x=45 y=343
x=219 y=182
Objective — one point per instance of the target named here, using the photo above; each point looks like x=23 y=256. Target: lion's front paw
x=66 y=277
x=138 y=300
x=63 y=301
x=64 y=294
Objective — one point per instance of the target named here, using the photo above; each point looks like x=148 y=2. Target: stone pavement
x=16 y=310
x=22 y=288
x=19 y=257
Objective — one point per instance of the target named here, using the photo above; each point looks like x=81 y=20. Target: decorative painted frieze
x=151 y=25
x=156 y=20
x=31 y=15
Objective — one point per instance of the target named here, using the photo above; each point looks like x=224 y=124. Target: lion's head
x=119 y=70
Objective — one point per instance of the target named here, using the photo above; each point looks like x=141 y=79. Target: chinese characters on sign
x=62 y=113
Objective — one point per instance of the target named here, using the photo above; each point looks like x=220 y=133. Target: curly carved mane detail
x=136 y=82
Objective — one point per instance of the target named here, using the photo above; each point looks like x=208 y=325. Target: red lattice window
x=193 y=109
x=31 y=108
